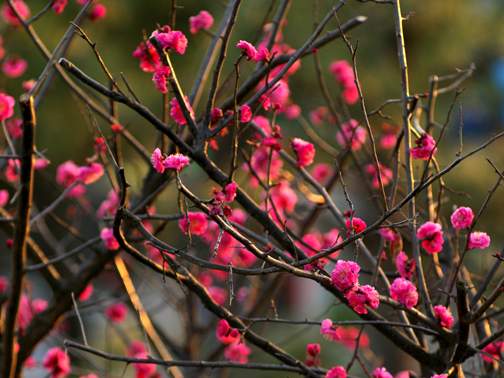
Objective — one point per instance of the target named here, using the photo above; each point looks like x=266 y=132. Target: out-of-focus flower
x=56 y=362
x=203 y=20
x=59 y=6
x=90 y=173
x=336 y=372
x=328 y=330
x=86 y=293
x=4 y=197
x=107 y=234
x=245 y=113
x=6 y=106
x=98 y=12
x=381 y=373
x=14 y=66
x=198 y=223
x=237 y=352
x=117 y=312
x=353 y=134
x=10 y=17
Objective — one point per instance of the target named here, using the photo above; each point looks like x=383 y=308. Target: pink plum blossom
x=260 y=162
x=176 y=161
x=405 y=292
x=345 y=275
x=217 y=115
x=176 y=111
x=203 y=20
x=343 y=72
x=98 y=12
x=386 y=175
x=174 y=40
x=6 y=106
x=262 y=54
x=56 y=362
x=405 y=267
x=349 y=336
x=318 y=115
x=462 y=217
x=358 y=225
x=495 y=349
x=14 y=127
x=336 y=372
x=444 y=316
x=11 y=173
x=230 y=192
x=439 y=376
x=248 y=49
x=157 y=160
x=117 y=312
x=198 y=223
x=433 y=237
x=479 y=240
x=364 y=295
x=291 y=111
x=107 y=234
x=322 y=172
x=328 y=330
x=59 y=5
x=109 y=206
x=237 y=352
x=245 y=113
x=67 y=173
x=159 y=78
x=86 y=293
x=313 y=349
x=135 y=347
x=90 y=173
x=4 y=197
x=388 y=234
x=381 y=373
x=352 y=133
x=10 y=17
x=4 y=284
x=305 y=152
x=14 y=66
x=149 y=58
x=424 y=147
x=143 y=370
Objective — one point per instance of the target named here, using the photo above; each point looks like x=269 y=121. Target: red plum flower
x=248 y=49
x=203 y=20
x=59 y=5
x=353 y=134
x=479 y=240
x=336 y=372
x=405 y=267
x=176 y=161
x=14 y=66
x=433 y=237
x=6 y=106
x=10 y=17
x=444 y=316
x=56 y=362
x=345 y=275
x=90 y=173
x=358 y=225
x=381 y=373
x=98 y=13
x=159 y=78
x=305 y=152
x=462 y=217
x=117 y=312
x=107 y=234
x=364 y=295
x=425 y=145
x=174 y=40
x=4 y=197
x=176 y=111
x=198 y=223
x=405 y=292
x=245 y=113
x=328 y=330
x=237 y=352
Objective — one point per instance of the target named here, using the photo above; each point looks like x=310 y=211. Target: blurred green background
x=440 y=37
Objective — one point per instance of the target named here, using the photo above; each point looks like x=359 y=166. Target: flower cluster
x=161 y=162
x=336 y=372
x=425 y=146
x=312 y=351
